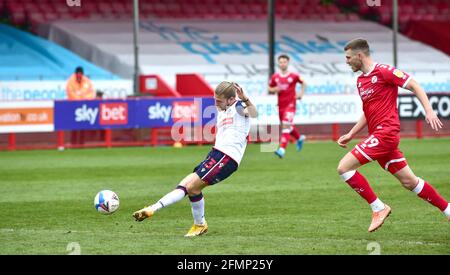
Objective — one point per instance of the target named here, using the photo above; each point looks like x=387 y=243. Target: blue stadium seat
x=24 y=56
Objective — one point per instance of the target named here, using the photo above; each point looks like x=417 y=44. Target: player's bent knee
x=409 y=183
x=195 y=187
x=341 y=169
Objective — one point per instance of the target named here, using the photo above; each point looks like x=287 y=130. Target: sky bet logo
x=110 y=114
x=186 y=111
x=180 y=111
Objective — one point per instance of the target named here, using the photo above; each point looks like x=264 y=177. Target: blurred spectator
x=99 y=94
x=79 y=87
x=98 y=135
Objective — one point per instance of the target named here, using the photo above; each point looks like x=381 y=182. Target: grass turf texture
x=297 y=205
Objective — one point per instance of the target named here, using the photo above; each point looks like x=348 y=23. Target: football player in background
x=283 y=85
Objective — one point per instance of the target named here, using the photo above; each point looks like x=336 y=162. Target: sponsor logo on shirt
x=225 y=121
x=398 y=73
x=365 y=93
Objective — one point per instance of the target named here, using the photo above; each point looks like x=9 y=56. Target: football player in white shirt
x=233 y=126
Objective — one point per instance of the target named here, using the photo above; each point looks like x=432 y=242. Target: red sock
x=295 y=133
x=284 y=140
x=429 y=194
x=359 y=183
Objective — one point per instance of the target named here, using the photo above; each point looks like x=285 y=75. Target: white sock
x=282 y=150
x=198 y=211
x=447 y=211
x=377 y=205
x=170 y=198
x=419 y=186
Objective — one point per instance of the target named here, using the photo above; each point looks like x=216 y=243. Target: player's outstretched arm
x=344 y=139
x=430 y=116
x=250 y=109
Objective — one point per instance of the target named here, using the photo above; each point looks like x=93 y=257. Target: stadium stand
x=423 y=20
x=409 y=10
x=27 y=57
x=223 y=50
x=434 y=33
x=35 y=12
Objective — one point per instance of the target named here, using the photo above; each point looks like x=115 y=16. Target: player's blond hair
x=226 y=89
x=358 y=44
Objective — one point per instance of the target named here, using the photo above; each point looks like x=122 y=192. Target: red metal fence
x=162 y=136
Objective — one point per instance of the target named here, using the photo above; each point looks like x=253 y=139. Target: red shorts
x=287 y=115
x=383 y=149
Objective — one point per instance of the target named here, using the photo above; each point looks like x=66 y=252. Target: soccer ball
x=106 y=202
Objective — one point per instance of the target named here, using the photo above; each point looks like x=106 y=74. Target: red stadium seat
x=353 y=17
x=432 y=9
x=117 y=7
x=444 y=11
x=43 y=6
x=406 y=9
x=340 y=17
x=15 y=8
x=35 y=17
x=174 y=8
x=51 y=16
x=416 y=17
x=212 y=9
x=256 y=9
x=404 y=18
x=428 y=17
x=61 y=8
x=328 y=17
x=314 y=17
x=105 y=8
x=145 y=6
x=66 y=16
x=18 y=18
x=385 y=18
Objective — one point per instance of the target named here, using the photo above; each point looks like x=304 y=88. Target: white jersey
x=232 y=131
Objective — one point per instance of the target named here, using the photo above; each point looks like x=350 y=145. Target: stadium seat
x=353 y=17
x=18 y=18
x=62 y=8
x=214 y=9
x=29 y=57
x=51 y=16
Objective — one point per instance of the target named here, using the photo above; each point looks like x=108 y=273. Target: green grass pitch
x=297 y=205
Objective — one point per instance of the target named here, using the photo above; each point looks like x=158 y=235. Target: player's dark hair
x=79 y=70
x=358 y=44
x=283 y=56
x=226 y=89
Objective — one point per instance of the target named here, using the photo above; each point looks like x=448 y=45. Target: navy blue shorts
x=216 y=167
